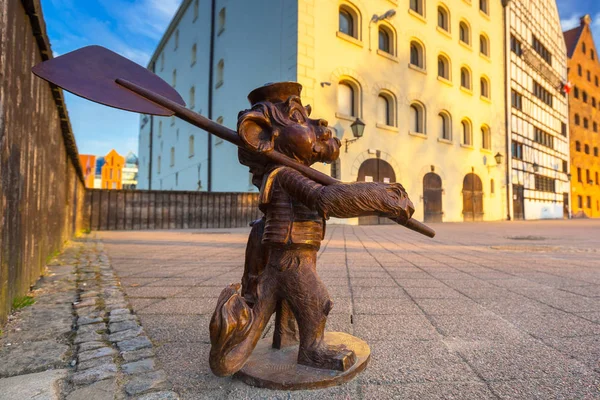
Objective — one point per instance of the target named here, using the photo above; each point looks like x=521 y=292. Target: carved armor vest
x=288 y=221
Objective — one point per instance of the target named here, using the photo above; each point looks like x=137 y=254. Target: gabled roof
x=572 y=38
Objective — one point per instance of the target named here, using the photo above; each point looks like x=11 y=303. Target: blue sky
x=133 y=28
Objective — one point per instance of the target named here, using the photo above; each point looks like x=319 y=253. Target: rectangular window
x=579 y=175
x=589 y=202
x=517 y=150
x=580 y=201
x=565 y=165
x=542 y=94
x=515 y=46
x=542 y=50
x=587 y=176
x=543 y=138
x=563 y=129
x=544 y=183
x=516 y=100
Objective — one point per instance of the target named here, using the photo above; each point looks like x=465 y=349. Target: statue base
x=279 y=369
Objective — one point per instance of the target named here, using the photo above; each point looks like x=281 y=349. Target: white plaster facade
x=538 y=160
x=300 y=40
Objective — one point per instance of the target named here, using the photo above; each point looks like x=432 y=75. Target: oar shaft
x=232 y=137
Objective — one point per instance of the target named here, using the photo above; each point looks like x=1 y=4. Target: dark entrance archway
x=375 y=170
x=472 y=198
x=432 y=197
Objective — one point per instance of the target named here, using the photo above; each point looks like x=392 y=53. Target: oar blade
x=90 y=72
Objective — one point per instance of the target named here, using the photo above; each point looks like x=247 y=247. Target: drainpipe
x=210 y=90
x=508 y=108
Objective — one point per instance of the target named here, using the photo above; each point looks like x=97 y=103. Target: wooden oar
x=102 y=76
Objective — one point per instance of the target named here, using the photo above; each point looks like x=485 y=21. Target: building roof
x=571 y=39
x=174 y=22
x=33 y=9
x=131 y=158
x=572 y=36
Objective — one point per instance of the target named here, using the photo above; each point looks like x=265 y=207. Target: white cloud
x=571 y=22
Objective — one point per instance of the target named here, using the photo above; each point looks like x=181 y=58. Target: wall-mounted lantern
x=358 y=128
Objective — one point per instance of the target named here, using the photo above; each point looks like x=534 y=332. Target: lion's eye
x=297 y=116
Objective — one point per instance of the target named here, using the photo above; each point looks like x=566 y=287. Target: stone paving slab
x=483 y=311
x=39 y=386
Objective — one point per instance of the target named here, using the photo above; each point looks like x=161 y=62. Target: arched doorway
x=432 y=197
x=375 y=170
x=472 y=198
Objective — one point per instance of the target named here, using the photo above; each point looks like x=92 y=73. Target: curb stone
x=113 y=352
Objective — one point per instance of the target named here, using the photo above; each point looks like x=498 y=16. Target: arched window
x=348 y=93
x=443 y=67
x=484 y=6
x=464 y=33
x=586 y=149
x=349 y=21
x=492 y=187
x=579 y=70
x=417 y=6
x=158 y=165
x=176 y=39
x=596 y=155
x=443 y=18
x=586 y=123
x=593 y=101
x=386 y=106
x=485 y=87
x=592 y=55
x=584 y=96
x=191 y=145
x=578 y=146
x=386 y=40
x=576 y=92
x=417 y=118
x=417 y=55
x=484 y=45
x=467 y=134
x=220 y=72
x=465 y=78
x=595 y=126
x=445 y=126
x=583 y=48
x=577 y=119
x=486 y=138
x=174 y=78
x=192 y=102
x=172 y=156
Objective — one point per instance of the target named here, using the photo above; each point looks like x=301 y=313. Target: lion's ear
x=256 y=131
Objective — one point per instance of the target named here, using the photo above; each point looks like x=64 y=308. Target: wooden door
x=518 y=202
x=432 y=197
x=375 y=170
x=566 y=205
x=472 y=198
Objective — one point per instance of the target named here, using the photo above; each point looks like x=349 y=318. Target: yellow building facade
x=427 y=79
x=584 y=120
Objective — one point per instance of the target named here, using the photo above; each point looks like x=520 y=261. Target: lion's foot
x=338 y=358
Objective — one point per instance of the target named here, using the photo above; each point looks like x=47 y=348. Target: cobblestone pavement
x=79 y=341
x=483 y=311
